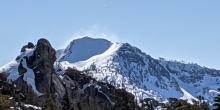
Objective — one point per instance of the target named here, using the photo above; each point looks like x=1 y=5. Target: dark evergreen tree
x=217 y=101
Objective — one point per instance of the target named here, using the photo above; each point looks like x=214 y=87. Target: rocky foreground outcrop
x=39 y=85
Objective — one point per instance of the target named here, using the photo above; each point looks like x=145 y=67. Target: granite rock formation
x=39 y=85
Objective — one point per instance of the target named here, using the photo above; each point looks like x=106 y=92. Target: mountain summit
x=127 y=67
x=84 y=48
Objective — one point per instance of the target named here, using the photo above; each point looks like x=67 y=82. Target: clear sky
x=187 y=30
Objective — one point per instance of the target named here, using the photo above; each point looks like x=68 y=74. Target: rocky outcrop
x=28 y=46
x=69 y=91
x=41 y=62
x=85 y=93
x=21 y=69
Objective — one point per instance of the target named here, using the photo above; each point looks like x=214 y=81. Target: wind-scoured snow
x=101 y=58
x=85 y=48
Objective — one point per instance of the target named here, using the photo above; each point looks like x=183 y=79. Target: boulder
x=28 y=46
x=41 y=62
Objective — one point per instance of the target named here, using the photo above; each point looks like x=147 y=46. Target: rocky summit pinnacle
x=41 y=62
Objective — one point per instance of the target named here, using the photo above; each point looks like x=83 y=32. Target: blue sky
x=187 y=30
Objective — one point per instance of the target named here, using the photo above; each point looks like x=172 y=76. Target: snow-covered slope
x=12 y=73
x=125 y=66
x=85 y=48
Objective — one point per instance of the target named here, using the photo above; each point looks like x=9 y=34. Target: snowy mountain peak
x=84 y=48
x=126 y=66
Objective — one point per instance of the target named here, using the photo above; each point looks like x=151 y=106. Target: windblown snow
x=85 y=48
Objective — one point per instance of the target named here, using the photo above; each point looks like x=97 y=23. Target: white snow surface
x=100 y=58
x=88 y=47
x=32 y=107
x=29 y=77
x=11 y=70
x=187 y=96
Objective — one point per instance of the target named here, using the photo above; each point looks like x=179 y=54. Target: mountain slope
x=125 y=66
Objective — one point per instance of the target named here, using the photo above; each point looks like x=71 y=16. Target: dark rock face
x=29 y=46
x=85 y=93
x=21 y=69
x=42 y=62
x=3 y=76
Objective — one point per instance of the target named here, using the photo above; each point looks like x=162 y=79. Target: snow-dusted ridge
x=125 y=66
